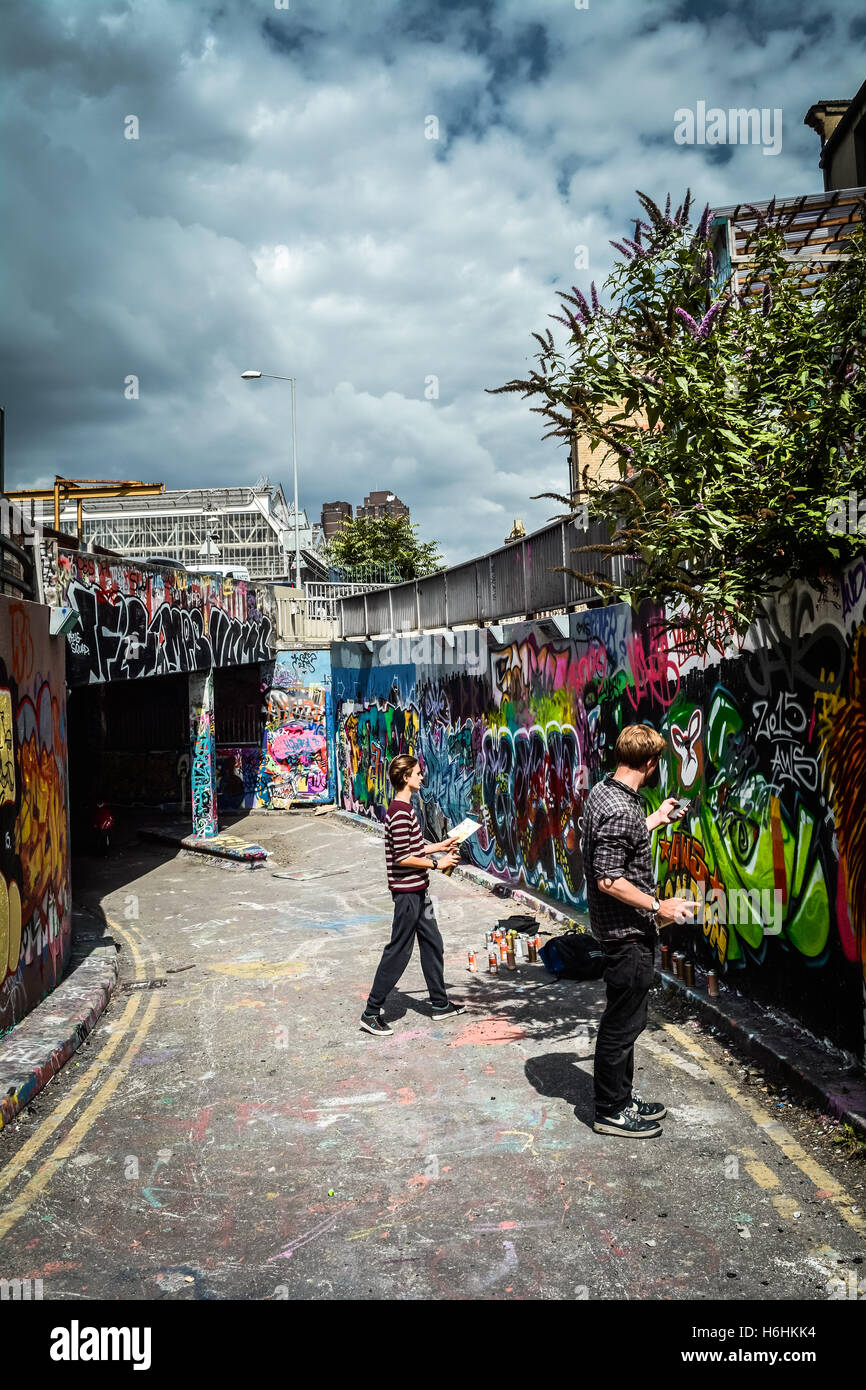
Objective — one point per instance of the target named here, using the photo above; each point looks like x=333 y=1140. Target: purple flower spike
x=594 y=293
x=707 y=320
x=704 y=224
x=622 y=251
x=708 y=265
x=688 y=321
x=584 y=307
x=766 y=301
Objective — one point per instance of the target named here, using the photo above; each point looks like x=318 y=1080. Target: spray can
x=492 y=964
x=689 y=972
x=519 y=952
x=503 y=949
x=712 y=984
x=666 y=957
x=510 y=961
x=676 y=962
x=533 y=951
x=473 y=964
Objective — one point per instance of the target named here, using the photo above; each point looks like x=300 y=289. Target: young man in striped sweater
x=408 y=860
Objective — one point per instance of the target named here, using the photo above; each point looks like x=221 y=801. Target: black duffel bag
x=574 y=956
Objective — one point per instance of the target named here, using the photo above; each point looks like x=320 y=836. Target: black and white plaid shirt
x=616 y=844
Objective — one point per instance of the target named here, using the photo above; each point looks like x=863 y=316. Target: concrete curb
x=222 y=846
x=37 y=1047
x=784 y=1051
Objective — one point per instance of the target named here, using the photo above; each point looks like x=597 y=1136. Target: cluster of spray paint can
x=507 y=948
x=678 y=964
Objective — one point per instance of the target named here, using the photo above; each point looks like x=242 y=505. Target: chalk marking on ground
x=794 y=1152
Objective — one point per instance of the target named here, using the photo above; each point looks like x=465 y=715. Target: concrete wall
x=767 y=736
x=34 y=815
x=138 y=622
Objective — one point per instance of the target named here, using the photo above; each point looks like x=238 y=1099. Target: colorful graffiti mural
x=767 y=740
x=202 y=756
x=297 y=762
x=34 y=812
x=294 y=763
x=137 y=622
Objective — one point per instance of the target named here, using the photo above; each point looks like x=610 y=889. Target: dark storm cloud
x=282 y=209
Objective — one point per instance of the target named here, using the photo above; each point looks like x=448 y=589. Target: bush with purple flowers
x=735 y=420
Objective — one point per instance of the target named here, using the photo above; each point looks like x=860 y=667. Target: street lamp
x=254 y=376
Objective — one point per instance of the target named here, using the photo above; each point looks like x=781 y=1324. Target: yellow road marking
x=50 y=1123
x=793 y=1151
x=42 y=1177
x=785 y=1206
x=93 y=1073
x=763 y=1176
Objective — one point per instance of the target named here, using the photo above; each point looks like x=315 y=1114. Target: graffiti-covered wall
x=767 y=738
x=297 y=756
x=295 y=762
x=34 y=816
x=137 y=621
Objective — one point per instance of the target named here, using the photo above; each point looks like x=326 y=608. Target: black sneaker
x=647 y=1109
x=375 y=1023
x=449 y=1010
x=629 y=1123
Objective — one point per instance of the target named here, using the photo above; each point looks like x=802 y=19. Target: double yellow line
x=106 y=1086
x=794 y=1152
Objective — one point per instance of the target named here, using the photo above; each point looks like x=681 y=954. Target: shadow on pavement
x=557 y=1074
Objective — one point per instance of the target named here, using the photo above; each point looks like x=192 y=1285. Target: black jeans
x=628 y=974
x=413 y=916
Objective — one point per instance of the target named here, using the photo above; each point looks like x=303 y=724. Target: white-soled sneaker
x=629 y=1123
x=375 y=1024
x=648 y=1109
x=449 y=1010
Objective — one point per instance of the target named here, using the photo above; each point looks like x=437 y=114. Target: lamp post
x=254 y=376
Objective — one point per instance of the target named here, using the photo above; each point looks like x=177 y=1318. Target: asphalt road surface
x=233 y=1134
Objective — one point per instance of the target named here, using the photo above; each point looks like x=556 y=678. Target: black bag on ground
x=574 y=956
x=520 y=922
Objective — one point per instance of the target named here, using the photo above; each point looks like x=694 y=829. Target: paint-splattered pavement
x=233 y=1134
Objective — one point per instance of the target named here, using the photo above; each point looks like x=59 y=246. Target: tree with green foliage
x=738 y=419
x=387 y=544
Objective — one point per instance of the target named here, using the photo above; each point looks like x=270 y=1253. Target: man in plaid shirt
x=624 y=912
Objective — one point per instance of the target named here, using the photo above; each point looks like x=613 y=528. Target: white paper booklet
x=462 y=831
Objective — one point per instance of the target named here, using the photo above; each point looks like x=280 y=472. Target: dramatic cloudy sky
x=283 y=209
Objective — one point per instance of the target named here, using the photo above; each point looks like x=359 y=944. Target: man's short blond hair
x=637 y=744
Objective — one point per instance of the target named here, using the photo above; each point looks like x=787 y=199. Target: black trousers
x=628 y=975
x=413 y=916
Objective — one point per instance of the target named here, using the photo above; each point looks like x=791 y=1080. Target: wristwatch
x=654 y=907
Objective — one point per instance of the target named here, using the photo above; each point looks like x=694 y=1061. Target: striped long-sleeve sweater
x=403 y=836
